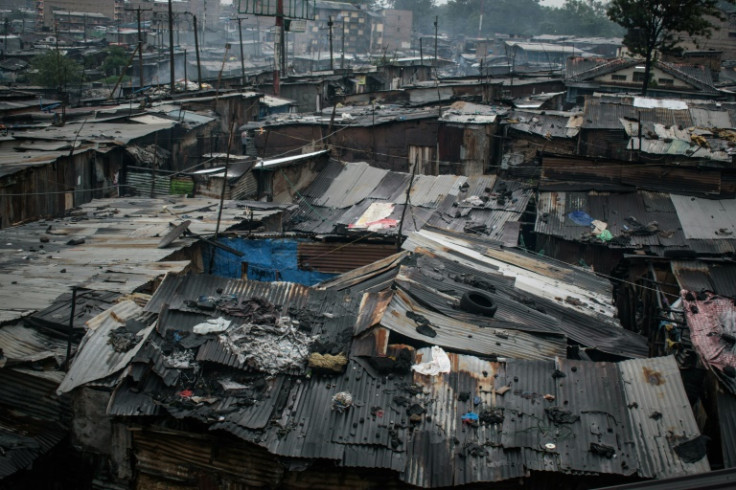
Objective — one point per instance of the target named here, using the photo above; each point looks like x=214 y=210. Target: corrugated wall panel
x=141 y=182
x=338 y=258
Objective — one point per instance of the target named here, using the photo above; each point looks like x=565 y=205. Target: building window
x=620 y=78
x=666 y=81
x=638 y=76
x=732 y=34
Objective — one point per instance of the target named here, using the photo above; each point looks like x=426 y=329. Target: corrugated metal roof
x=661 y=417
x=21 y=344
x=459 y=336
x=727 y=424
x=533 y=415
x=34 y=418
x=119 y=249
x=546 y=125
x=712 y=323
x=635 y=220
x=580 y=300
x=719 y=278
x=482 y=204
x=350 y=186
x=706 y=118
x=97 y=357
x=710 y=219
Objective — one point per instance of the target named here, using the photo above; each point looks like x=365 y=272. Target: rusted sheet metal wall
x=388 y=146
x=663 y=178
x=188 y=149
x=603 y=143
x=280 y=140
x=50 y=190
x=530 y=145
x=306 y=94
x=288 y=181
x=338 y=258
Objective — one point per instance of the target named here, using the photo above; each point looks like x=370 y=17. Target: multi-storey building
x=46 y=9
x=394 y=30
x=723 y=38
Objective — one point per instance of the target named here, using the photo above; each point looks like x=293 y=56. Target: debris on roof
x=355 y=197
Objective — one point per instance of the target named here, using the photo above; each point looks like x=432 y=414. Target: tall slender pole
x=140 y=50
x=435 y=39
x=222 y=192
x=196 y=48
x=277 y=53
x=171 y=49
x=282 y=42
x=242 y=60
x=330 y=24
x=342 y=55
x=70 y=334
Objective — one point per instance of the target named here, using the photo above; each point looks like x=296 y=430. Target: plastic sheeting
x=267 y=260
x=440 y=363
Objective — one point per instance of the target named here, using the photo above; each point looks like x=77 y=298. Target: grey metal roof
x=347 y=194
x=101 y=359
x=727 y=422
x=578 y=299
x=660 y=416
x=707 y=219
x=546 y=125
x=534 y=415
x=460 y=336
x=120 y=250
x=616 y=210
x=34 y=418
x=21 y=344
x=717 y=277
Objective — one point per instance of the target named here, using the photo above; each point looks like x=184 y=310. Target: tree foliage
x=54 y=70
x=115 y=58
x=525 y=18
x=581 y=18
x=661 y=25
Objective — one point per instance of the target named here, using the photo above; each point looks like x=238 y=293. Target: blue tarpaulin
x=268 y=260
x=580 y=218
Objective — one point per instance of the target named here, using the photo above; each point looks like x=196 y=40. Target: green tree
x=115 y=58
x=54 y=70
x=660 y=25
x=581 y=18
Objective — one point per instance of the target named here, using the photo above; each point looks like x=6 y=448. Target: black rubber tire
x=478 y=302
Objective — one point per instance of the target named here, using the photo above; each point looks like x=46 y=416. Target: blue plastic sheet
x=268 y=260
x=580 y=217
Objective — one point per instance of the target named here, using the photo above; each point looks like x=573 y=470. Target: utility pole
x=279 y=46
x=140 y=43
x=242 y=60
x=171 y=49
x=342 y=55
x=435 y=40
x=330 y=24
x=196 y=49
